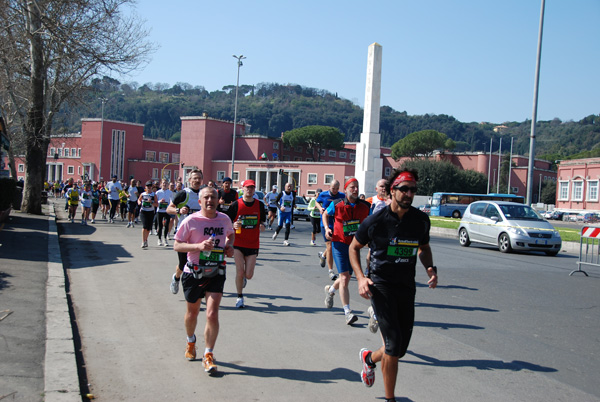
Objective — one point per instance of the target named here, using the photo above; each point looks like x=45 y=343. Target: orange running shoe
x=190 y=352
x=209 y=363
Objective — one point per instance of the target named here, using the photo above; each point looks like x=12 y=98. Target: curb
x=61 y=380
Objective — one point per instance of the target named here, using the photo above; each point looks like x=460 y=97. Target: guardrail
x=589 y=248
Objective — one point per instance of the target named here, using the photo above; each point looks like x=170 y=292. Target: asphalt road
x=499 y=327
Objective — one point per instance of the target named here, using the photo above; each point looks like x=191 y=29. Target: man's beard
x=405 y=204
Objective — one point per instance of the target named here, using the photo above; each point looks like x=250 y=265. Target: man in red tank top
x=248 y=217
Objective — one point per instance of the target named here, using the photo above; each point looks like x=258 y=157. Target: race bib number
x=215 y=257
x=163 y=205
x=350 y=227
x=225 y=206
x=249 y=221
x=287 y=203
x=400 y=251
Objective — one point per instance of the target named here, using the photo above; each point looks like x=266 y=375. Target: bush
x=8 y=189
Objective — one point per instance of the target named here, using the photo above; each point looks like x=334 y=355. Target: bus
x=454 y=204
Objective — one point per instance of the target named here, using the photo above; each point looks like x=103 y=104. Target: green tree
x=51 y=50
x=421 y=143
x=315 y=138
x=548 y=192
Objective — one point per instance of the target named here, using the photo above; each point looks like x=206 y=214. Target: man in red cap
x=348 y=213
x=397 y=235
x=248 y=215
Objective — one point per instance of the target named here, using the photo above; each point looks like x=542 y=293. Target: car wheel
x=463 y=238
x=504 y=243
x=456 y=214
x=551 y=253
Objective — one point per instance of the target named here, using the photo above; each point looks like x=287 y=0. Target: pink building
x=577 y=188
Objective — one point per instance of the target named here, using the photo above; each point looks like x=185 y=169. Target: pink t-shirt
x=197 y=228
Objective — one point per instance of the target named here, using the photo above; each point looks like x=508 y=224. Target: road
x=499 y=327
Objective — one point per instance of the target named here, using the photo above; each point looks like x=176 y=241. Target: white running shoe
x=159 y=242
x=274 y=236
x=313 y=243
x=145 y=244
x=166 y=243
x=286 y=243
x=239 y=303
x=328 y=297
x=350 y=318
x=174 y=285
x=93 y=221
x=128 y=224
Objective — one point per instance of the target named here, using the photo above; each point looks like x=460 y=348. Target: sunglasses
x=406 y=189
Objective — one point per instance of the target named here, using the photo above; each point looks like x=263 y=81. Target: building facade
x=577 y=186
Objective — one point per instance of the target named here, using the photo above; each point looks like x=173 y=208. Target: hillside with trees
x=271 y=109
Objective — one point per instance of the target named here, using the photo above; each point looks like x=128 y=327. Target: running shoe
x=145 y=244
x=239 y=303
x=209 y=363
x=274 y=235
x=159 y=243
x=128 y=224
x=286 y=243
x=166 y=242
x=174 y=285
x=93 y=221
x=332 y=275
x=72 y=220
x=328 y=297
x=373 y=324
x=313 y=243
x=350 y=318
x=367 y=375
x=322 y=259
x=292 y=227
x=190 y=351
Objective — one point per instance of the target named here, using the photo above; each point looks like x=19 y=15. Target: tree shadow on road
x=515 y=365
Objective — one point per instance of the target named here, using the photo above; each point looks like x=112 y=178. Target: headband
x=350 y=181
x=404 y=176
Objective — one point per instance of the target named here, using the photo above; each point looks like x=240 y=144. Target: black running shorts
x=195 y=289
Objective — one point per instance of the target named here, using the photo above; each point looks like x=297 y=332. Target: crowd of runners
x=209 y=224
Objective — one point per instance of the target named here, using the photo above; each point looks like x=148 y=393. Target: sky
x=471 y=59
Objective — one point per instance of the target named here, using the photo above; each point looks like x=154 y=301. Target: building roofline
x=112 y=121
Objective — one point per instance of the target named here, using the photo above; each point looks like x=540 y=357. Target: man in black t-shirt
x=396 y=235
x=227 y=196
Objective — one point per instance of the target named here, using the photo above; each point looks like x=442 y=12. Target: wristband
x=434 y=269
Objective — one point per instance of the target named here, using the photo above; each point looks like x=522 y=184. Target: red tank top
x=347 y=219
x=250 y=217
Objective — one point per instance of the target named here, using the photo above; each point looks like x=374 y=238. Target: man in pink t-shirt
x=207 y=238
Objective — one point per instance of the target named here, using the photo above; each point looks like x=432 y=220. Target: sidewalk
x=38 y=357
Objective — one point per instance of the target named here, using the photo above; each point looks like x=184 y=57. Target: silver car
x=508 y=225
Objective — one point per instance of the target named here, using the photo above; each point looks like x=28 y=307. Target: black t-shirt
x=229 y=198
x=233 y=210
x=394 y=244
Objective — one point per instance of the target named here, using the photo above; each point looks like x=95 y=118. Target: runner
x=185 y=203
x=397 y=235
x=113 y=188
x=285 y=202
x=86 y=202
x=381 y=199
x=95 y=201
x=315 y=218
x=104 y=204
x=148 y=204
x=123 y=195
x=271 y=201
x=73 y=201
x=163 y=196
x=173 y=221
x=323 y=201
x=226 y=196
x=348 y=214
x=132 y=204
x=205 y=237
x=248 y=215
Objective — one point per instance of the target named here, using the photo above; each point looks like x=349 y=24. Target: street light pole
x=239 y=64
x=101 y=138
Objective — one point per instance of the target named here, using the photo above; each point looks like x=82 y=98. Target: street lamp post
x=101 y=138
x=239 y=64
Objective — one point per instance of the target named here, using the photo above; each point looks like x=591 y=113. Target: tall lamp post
x=237 y=84
x=101 y=138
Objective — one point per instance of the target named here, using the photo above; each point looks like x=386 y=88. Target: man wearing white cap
x=271 y=201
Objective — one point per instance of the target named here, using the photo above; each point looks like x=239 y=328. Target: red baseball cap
x=249 y=183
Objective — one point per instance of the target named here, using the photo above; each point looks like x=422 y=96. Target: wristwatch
x=177 y=210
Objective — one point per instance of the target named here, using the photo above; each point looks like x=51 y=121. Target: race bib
x=249 y=221
x=350 y=227
x=162 y=205
x=215 y=257
x=402 y=250
x=287 y=203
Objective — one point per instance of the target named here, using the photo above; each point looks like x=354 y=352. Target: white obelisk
x=369 y=165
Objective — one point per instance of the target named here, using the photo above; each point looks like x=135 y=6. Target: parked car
x=508 y=225
x=301 y=209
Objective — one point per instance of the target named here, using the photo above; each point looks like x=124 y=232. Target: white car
x=509 y=226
